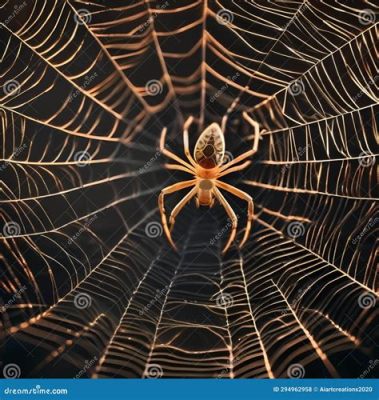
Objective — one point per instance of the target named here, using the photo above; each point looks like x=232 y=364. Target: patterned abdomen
x=210 y=147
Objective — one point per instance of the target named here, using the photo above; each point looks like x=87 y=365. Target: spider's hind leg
x=164 y=220
x=250 y=206
x=180 y=206
x=232 y=216
x=171 y=189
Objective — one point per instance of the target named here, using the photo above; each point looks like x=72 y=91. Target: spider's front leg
x=171 y=189
x=171 y=155
x=178 y=167
x=187 y=152
x=234 y=169
x=249 y=153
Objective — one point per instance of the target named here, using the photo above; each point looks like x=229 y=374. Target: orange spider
x=207 y=167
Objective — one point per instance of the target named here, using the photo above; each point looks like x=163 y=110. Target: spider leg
x=231 y=215
x=179 y=167
x=187 y=152
x=171 y=189
x=170 y=154
x=229 y=110
x=234 y=169
x=180 y=205
x=255 y=125
x=250 y=206
x=248 y=153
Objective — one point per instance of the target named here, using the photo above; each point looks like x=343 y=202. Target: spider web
x=89 y=284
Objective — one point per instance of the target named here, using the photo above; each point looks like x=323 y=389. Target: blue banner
x=182 y=389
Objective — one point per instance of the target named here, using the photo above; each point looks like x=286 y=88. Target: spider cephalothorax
x=207 y=167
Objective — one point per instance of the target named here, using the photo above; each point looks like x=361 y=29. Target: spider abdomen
x=210 y=147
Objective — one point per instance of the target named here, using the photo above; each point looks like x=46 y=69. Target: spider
x=207 y=167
